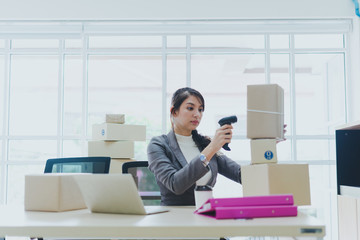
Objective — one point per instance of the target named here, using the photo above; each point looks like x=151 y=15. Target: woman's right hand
x=222 y=135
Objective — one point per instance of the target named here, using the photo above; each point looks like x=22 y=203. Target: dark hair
x=177 y=99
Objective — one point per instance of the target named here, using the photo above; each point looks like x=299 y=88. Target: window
x=31 y=84
x=56 y=84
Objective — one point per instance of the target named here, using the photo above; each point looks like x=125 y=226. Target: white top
x=190 y=151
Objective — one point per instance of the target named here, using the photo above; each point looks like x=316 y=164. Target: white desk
x=180 y=222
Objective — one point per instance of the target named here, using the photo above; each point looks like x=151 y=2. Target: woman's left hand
x=281 y=140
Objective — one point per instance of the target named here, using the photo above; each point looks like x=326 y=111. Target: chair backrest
x=145 y=181
x=78 y=165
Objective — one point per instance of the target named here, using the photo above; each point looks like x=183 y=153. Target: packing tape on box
x=260 y=111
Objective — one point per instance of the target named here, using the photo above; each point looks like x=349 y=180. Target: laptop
x=113 y=193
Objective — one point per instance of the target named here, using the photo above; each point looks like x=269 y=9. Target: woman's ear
x=171 y=111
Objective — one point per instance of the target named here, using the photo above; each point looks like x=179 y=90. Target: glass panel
x=319 y=41
x=2 y=43
x=78 y=167
x=16 y=181
x=176 y=73
x=2 y=91
x=35 y=43
x=320 y=93
x=240 y=149
x=34 y=95
x=176 y=78
x=176 y=42
x=228 y=41
x=279 y=41
x=223 y=80
x=126 y=84
x=309 y=150
x=283 y=150
x=32 y=150
x=141 y=149
x=74 y=148
x=73 y=95
x=125 y=42
x=73 y=43
x=279 y=74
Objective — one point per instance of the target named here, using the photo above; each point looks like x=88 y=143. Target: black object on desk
x=347 y=158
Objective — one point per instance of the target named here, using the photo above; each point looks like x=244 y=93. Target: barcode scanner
x=227 y=120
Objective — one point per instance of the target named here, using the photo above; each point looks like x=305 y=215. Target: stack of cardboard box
x=265 y=125
x=115 y=139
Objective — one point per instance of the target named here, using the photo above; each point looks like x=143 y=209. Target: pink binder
x=281 y=199
x=249 y=207
x=251 y=212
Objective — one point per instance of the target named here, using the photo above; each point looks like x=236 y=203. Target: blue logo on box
x=268 y=155
x=102 y=132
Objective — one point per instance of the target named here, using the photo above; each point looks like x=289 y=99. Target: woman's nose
x=197 y=113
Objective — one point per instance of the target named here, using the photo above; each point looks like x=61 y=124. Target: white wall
x=172 y=9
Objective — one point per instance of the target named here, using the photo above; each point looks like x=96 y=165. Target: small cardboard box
x=266 y=179
x=116 y=132
x=263 y=151
x=265 y=111
x=52 y=192
x=115 y=118
x=113 y=149
x=116 y=164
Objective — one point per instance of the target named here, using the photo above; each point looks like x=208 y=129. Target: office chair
x=78 y=165
x=145 y=180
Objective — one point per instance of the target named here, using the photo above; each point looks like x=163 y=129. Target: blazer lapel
x=176 y=149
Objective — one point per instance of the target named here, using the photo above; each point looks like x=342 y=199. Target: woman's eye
x=190 y=108
x=201 y=110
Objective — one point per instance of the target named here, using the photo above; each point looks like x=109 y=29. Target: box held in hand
x=265 y=111
x=267 y=179
x=53 y=192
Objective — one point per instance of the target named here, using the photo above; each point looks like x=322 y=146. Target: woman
x=183 y=158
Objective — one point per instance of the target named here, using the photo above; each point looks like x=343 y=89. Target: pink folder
x=281 y=199
x=249 y=207
x=251 y=212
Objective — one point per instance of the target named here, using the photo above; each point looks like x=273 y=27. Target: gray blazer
x=176 y=177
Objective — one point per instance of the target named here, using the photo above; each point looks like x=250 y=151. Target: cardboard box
x=116 y=164
x=263 y=151
x=115 y=118
x=115 y=132
x=52 y=192
x=266 y=179
x=265 y=111
x=113 y=149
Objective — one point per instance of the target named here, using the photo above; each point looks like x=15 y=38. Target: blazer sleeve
x=228 y=167
x=167 y=169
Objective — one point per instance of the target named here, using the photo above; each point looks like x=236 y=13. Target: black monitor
x=348 y=158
